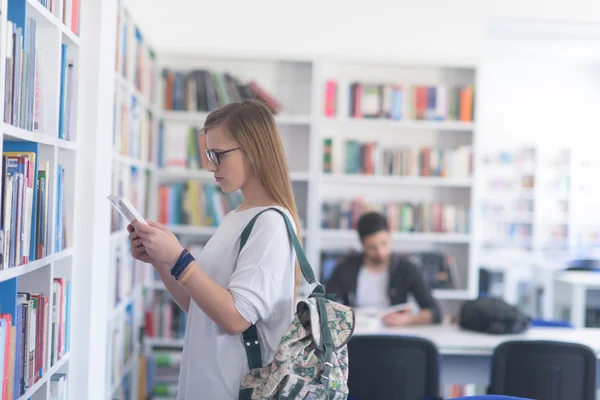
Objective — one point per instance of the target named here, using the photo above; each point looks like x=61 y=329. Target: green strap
x=327 y=343
x=250 y=335
x=252 y=346
x=305 y=267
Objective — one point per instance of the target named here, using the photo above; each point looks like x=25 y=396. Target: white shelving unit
x=518 y=110
x=409 y=134
x=299 y=84
x=134 y=141
x=37 y=122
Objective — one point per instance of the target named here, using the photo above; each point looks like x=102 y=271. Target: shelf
x=132 y=90
x=200 y=117
x=53 y=370
x=132 y=161
x=395 y=180
x=122 y=305
x=13 y=133
x=163 y=342
x=119 y=235
x=184 y=173
x=131 y=363
x=44 y=17
x=300 y=176
x=451 y=294
x=193 y=230
x=205 y=175
x=426 y=237
x=373 y=123
x=20 y=270
x=66 y=144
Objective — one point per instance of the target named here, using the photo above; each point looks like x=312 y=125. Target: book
x=378 y=313
x=125 y=208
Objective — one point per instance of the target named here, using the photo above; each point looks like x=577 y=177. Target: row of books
x=123 y=344
x=135 y=137
x=134 y=183
x=68 y=14
x=372 y=158
x=67 y=98
x=394 y=101
x=402 y=217
x=184 y=148
x=194 y=203
x=26 y=207
x=165 y=373
x=25 y=354
x=159 y=374
x=22 y=94
x=204 y=90
x=129 y=274
x=59 y=387
x=163 y=318
x=438 y=269
x=135 y=61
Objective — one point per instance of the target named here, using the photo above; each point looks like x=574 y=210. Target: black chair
x=544 y=370
x=393 y=367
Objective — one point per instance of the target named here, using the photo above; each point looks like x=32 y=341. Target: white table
x=466 y=356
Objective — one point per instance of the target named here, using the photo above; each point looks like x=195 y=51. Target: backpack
x=311 y=360
x=492 y=315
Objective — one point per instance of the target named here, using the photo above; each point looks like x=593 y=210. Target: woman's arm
x=214 y=300
x=252 y=292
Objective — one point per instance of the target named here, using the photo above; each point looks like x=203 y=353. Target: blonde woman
x=226 y=290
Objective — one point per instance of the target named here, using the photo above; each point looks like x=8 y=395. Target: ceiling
x=400 y=27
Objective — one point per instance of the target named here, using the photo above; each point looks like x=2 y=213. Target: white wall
x=383 y=28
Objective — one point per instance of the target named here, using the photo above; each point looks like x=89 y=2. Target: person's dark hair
x=370 y=223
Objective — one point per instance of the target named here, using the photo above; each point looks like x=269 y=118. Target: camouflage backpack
x=311 y=361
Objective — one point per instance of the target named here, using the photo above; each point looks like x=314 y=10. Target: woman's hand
x=159 y=243
x=138 y=251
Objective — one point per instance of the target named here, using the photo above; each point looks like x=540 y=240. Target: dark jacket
x=405 y=278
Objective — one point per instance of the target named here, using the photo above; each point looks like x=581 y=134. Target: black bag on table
x=492 y=315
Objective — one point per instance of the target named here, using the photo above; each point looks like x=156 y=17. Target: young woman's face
x=231 y=168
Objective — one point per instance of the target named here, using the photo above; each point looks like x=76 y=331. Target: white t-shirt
x=372 y=288
x=261 y=281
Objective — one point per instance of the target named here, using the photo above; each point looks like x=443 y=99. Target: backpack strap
x=305 y=267
x=250 y=335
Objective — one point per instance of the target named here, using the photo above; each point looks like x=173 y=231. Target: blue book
x=28 y=148
x=62 y=94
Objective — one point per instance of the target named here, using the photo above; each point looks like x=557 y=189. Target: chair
x=490 y=397
x=393 y=367
x=544 y=323
x=544 y=370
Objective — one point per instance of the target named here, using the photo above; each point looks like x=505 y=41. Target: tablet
x=125 y=208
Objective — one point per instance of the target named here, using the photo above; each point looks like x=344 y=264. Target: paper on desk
x=370 y=317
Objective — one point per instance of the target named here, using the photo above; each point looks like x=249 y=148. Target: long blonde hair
x=251 y=124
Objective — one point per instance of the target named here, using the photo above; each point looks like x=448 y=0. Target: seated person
x=379 y=278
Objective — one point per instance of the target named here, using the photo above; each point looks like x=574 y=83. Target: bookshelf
x=535 y=207
x=39 y=76
x=135 y=127
x=314 y=138
x=398 y=138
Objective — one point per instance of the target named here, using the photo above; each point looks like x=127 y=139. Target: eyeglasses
x=214 y=155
